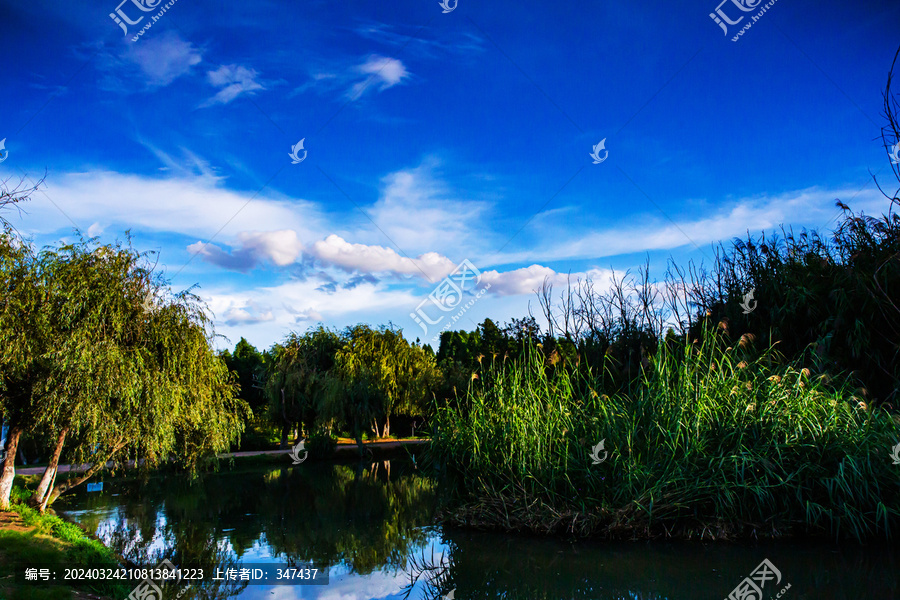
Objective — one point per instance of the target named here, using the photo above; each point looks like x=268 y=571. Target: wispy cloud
x=420 y=213
x=234 y=80
x=374 y=74
x=380 y=73
x=457 y=42
x=811 y=208
x=164 y=58
x=194 y=206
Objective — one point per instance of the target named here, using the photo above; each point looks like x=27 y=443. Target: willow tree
x=25 y=335
x=352 y=396
x=123 y=375
x=299 y=376
x=403 y=373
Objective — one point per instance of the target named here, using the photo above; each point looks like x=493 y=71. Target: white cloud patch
x=309 y=315
x=95 y=229
x=812 y=208
x=194 y=206
x=381 y=73
x=275 y=310
x=233 y=80
x=375 y=74
x=521 y=281
x=529 y=280
x=164 y=58
x=249 y=314
x=419 y=214
x=336 y=251
x=281 y=247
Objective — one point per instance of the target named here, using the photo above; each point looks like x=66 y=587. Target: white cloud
x=95 y=229
x=521 y=281
x=249 y=314
x=375 y=74
x=304 y=315
x=338 y=268
x=812 y=208
x=194 y=206
x=528 y=280
x=336 y=251
x=380 y=71
x=280 y=247
x=164 y=58
x=295 y=303
x=234 y=81
x=419 y=214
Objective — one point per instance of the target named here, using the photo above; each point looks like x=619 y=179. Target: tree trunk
x=285 y=432
x=375 y=427
x=46 y=499
x=285 y=426
x=50 y=472
x=359 y=443
x=9 y=466
x=59 y=490
x=387 y=426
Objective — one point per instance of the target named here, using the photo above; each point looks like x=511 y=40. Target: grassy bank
x=28 y=538
x=711 y=442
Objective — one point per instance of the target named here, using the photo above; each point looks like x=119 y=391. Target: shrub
x=321 y=444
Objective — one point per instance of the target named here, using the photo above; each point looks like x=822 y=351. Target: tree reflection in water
x=366 y=517
x=375 y=516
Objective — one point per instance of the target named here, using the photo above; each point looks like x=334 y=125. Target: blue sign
x=95 y=487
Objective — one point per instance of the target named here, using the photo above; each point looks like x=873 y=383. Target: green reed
x=709 y=441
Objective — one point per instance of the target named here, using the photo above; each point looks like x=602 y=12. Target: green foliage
x=710 y=439
x=385 y=374
x=298 y=376
x=321 y=444
x=259 y=434
x=92 y=343
x=249 y=364
x=351 y=380
x=833 y=299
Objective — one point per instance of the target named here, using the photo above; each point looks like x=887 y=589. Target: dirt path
x=341 y=449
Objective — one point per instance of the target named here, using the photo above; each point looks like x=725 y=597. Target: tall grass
x=709 y=442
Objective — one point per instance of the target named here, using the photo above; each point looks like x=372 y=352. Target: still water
x=371 y=528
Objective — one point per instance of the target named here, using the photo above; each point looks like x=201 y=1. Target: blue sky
x=434 y=137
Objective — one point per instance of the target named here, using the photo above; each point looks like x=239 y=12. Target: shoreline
x=341 y=449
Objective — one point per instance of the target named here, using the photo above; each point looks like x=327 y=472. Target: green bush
x=321 y=444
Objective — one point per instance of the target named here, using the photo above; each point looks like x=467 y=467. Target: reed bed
x=710 y=443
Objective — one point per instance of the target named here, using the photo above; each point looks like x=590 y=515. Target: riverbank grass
x=709 y=443
x=29 y=538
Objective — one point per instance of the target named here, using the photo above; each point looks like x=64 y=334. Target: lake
x=370 y=527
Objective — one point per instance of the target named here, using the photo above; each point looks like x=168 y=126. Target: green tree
x=403 y=373
x=24 y=338
x=249 y=365
x=299 y=376
x=103 y=363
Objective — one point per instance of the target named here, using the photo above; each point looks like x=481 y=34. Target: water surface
x=371 y=526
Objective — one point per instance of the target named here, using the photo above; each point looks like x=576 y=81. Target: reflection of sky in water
x=339 y=514
x=343 y=583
